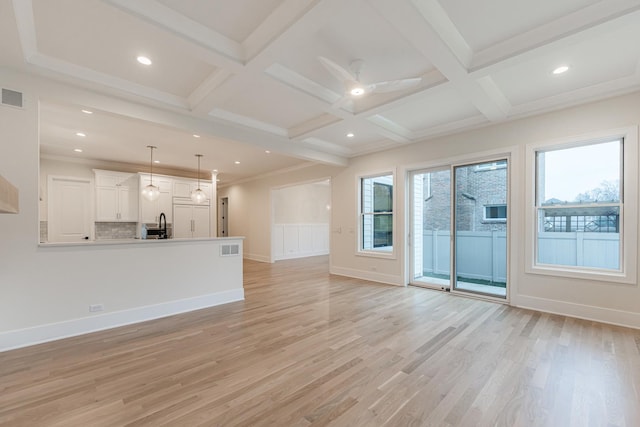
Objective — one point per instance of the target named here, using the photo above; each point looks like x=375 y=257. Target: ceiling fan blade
x=394 y=85
x=336 y=71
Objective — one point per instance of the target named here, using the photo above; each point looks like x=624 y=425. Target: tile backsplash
x=116 y=230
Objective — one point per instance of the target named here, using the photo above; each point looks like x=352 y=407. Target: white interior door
x=69 y=213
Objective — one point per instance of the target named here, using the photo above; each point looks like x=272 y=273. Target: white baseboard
x=587 y=312
x=256 y=257
x=300 y=255
x=69 y=328
x=372 y=276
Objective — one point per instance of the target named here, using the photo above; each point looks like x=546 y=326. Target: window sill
x=618 y=277
x=377 y=254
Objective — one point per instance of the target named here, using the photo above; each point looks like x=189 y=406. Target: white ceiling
x=246 y=71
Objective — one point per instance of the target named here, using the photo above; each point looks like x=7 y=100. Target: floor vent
x=229 y=250
x=11 y=98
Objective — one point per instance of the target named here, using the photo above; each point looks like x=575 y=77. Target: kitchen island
x=106 y=283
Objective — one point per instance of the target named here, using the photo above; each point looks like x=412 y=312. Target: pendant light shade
x=151 y=192
x=198 y=196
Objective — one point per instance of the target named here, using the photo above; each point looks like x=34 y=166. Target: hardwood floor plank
x=307 y=348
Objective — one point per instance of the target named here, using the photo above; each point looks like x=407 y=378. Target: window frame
x=360 y=250
x=500 y=220
x=628 y=220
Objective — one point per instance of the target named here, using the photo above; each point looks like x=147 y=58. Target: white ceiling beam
x=68 y=69
x=610 y=88
x=248 y=122
x=275 y=25
x=297 y=81
x=437 y=17
x=326 y=145
x=589 y=23
x=228 y=53
x=318 y=122
x=23 y=10
x=215 y=79
x=291 y=27
x=174 y=118
x=419 y=31
x=446 y=128
x=391 y=129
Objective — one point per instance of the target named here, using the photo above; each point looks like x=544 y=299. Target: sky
x=572 y=171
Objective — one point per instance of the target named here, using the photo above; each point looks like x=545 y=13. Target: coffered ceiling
x=249 y=69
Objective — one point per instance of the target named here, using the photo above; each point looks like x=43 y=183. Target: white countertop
x=104 y=242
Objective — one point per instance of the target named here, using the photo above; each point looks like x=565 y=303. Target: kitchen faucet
x=163 y=229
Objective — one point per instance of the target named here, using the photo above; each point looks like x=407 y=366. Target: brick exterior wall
x=475 y=189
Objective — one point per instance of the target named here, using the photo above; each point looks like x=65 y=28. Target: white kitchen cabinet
x=116 y=196
x=190 y=221
x=184 y=187
x=150 y=210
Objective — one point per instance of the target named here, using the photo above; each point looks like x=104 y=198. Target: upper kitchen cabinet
x=150 y=210
x=116 y=196
x=184 y=187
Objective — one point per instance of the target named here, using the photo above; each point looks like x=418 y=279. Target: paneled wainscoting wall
x=299 y=240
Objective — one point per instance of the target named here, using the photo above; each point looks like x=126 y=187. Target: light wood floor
x=306 y=348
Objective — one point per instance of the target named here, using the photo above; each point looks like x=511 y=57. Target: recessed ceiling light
x=561 y=69
x=357 y=91
x=156 y=161
x=77 y=150
x=350 y=135
x=144 y=60
x=267 y=151
x=196 y=136
x=236 y=162
x=81 y=134
x=87 y=111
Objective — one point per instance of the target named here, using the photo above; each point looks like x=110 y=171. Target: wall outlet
x=96 y=307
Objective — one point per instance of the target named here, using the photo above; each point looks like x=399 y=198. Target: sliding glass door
x=459 y=224
x=431 y=225
x=480 y=228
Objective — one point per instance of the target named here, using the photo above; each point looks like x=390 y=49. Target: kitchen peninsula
x=129 y=281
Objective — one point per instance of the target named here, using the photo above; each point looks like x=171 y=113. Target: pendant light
x=198 y=196
x=151 y=192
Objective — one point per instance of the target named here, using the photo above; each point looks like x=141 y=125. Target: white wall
x=584 y=298
x=604 y=301
x=45 y=292
x=305 y=203
x=301 y=218
x=250 y=206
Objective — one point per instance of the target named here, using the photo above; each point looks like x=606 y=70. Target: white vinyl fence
x=583 y=249
x=483 y=254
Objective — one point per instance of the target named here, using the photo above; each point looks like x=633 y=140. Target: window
x=491 y=166
x=495 y=213
x=580 y=206
x=376 y=213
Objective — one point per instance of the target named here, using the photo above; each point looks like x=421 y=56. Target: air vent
x=11 y=98
x=229 y=250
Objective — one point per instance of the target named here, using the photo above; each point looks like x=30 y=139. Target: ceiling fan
x=354 y=88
